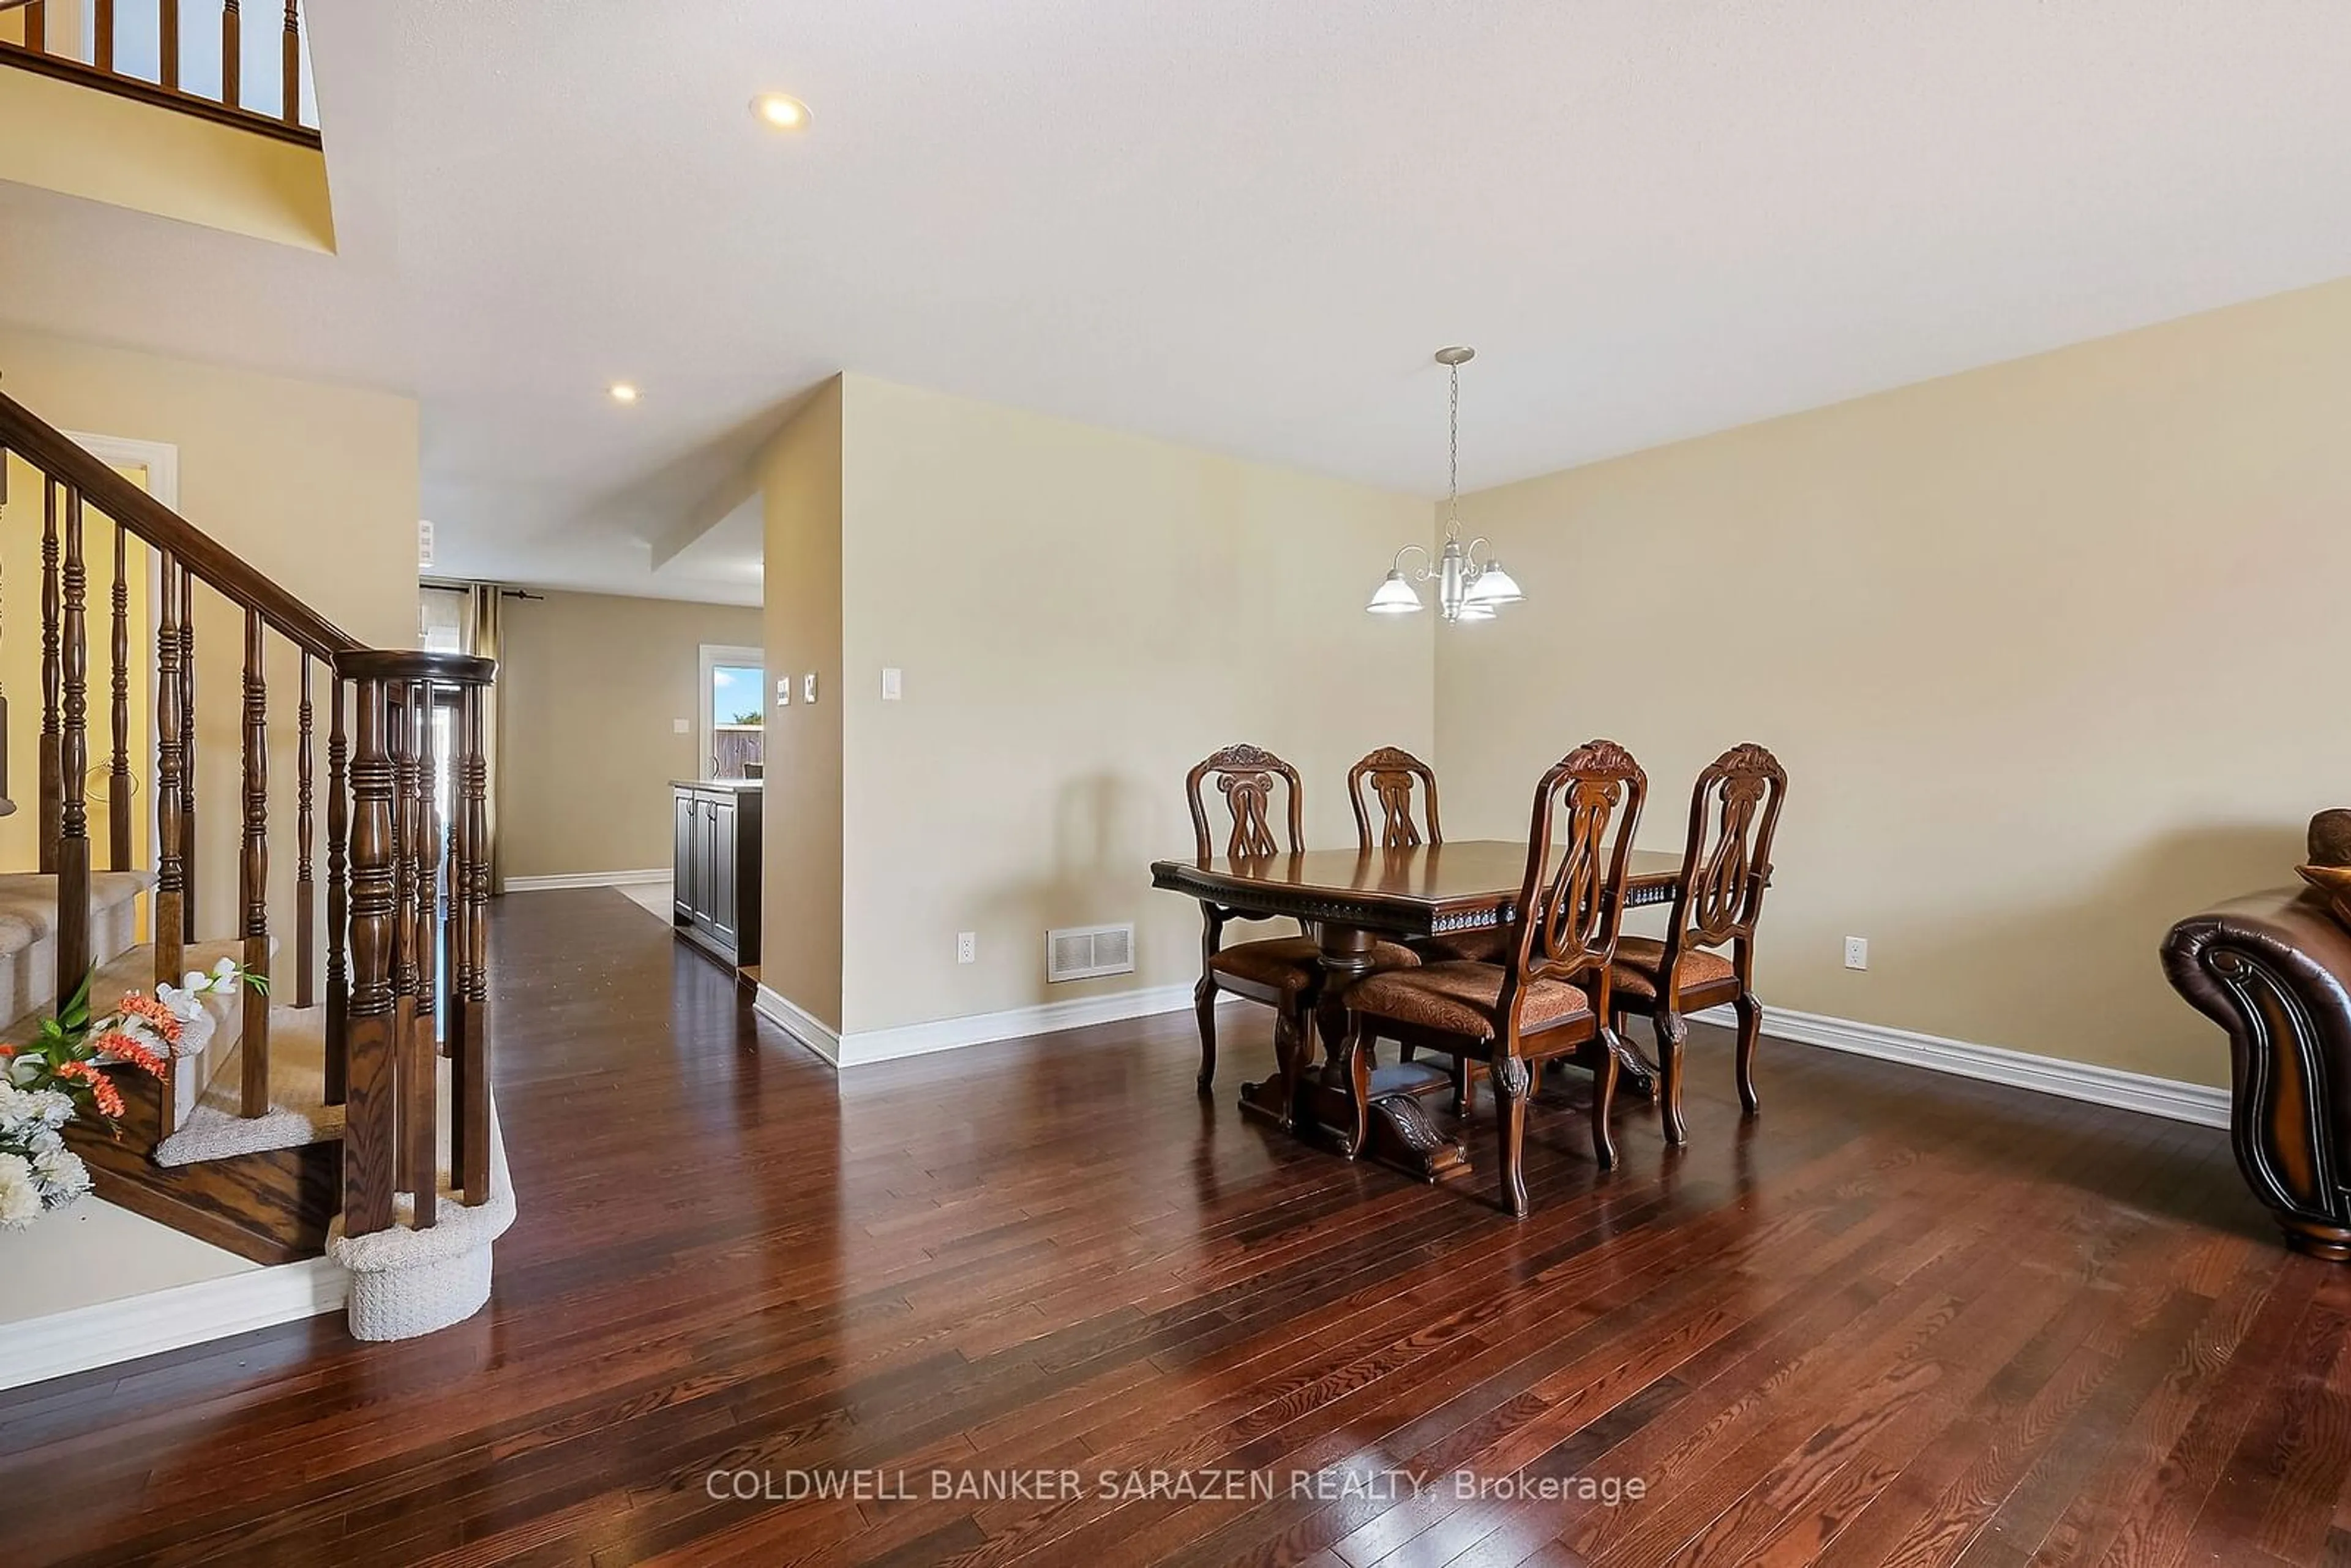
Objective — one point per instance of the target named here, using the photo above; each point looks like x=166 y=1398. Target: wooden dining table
x=1347 y=900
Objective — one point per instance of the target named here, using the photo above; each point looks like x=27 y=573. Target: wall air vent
x=1082 y=952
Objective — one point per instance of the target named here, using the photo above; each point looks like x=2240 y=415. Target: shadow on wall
x=2087 y=969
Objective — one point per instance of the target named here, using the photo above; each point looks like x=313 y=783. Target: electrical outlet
x=1856 y=952
x=966 y=947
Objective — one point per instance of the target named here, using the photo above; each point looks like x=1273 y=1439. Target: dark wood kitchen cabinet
x=715 y=899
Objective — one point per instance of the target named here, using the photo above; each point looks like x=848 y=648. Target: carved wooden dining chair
x=1552 y=998
x=1284 y=973
x=1725 y=866
x=1386 y=778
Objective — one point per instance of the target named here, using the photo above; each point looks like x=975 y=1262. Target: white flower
x=181 y=1001
x=45 y=1107
x=20 y=1196
x=62 y=1176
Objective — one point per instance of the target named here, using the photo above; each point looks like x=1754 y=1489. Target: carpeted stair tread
x=215 y=1128
x=28 y=900
x=28 y=931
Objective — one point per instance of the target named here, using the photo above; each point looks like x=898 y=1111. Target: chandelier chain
x=1453 y=458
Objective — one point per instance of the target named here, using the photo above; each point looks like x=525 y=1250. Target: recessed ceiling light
x=624 y=392
x=781 y=111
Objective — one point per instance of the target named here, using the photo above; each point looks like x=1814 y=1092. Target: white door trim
x=160 y=458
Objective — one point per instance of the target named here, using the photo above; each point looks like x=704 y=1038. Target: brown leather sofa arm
x=2274 y=969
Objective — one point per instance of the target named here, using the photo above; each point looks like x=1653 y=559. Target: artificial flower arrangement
x=61 y=1074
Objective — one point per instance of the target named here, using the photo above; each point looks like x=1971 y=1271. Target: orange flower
x=121 y=1046
x=154 y=1014
x=102 y=1091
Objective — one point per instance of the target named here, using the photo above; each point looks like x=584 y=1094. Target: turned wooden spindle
x=73 y=760
x=8 y=801
x=306 y=891
x=370 y=1121
x=290 y=63
x=469 y=1073
x=170 y=887
x=188 y=750
x=232 y=54
x=423 y=1038
x=401 y=729
x=427 y=850
x=119 y=818
x=338 y=827
x=52 y=789
x=253 y=870
x=167 y=27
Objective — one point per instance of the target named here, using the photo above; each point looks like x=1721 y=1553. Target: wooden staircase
x=375 y=953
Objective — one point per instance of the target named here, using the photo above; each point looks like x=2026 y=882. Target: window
x=733 y=719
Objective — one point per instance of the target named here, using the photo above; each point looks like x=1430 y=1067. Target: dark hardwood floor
x=1901 y=1318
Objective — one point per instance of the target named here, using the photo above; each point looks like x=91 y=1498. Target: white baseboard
x=2167 y=1097
x=587 y=879
x=795 y=1020
x=111 y=1332
x=864 y=1047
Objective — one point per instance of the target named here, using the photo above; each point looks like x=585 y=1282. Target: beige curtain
x=482 y=639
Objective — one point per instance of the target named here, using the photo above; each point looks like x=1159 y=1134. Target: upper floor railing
x=218 y=60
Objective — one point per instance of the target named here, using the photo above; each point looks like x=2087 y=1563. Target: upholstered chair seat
x=1292 y=965
x=1639 y=960
x=1478 y=947
x=1461 y=998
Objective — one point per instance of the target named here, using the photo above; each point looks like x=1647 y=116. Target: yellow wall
x=62 y=136
x=589 y=684
x=273 y=468
x=800 y=479
x=2050 y=651
x=1079 y=616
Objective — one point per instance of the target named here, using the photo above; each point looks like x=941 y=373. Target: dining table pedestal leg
x=1398 y=1131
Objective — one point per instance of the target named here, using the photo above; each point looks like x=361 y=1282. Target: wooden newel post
x=371 y=1122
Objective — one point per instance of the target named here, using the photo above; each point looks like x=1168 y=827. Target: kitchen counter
x=734 y=784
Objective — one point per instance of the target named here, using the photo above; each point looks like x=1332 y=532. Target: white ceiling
x=1230 y=223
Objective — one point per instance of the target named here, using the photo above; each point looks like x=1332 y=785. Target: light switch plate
x=681 y=726
x=784 y=691
x=892 y=684
x=807 y=687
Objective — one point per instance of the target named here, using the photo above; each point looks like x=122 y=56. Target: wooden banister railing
x=162 y=33
x=406 y=890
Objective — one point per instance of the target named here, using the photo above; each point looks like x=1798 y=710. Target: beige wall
x=314 y=485
x=800 y=480
x=1079 y=616
x=2048 y=649
x=590 y=685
